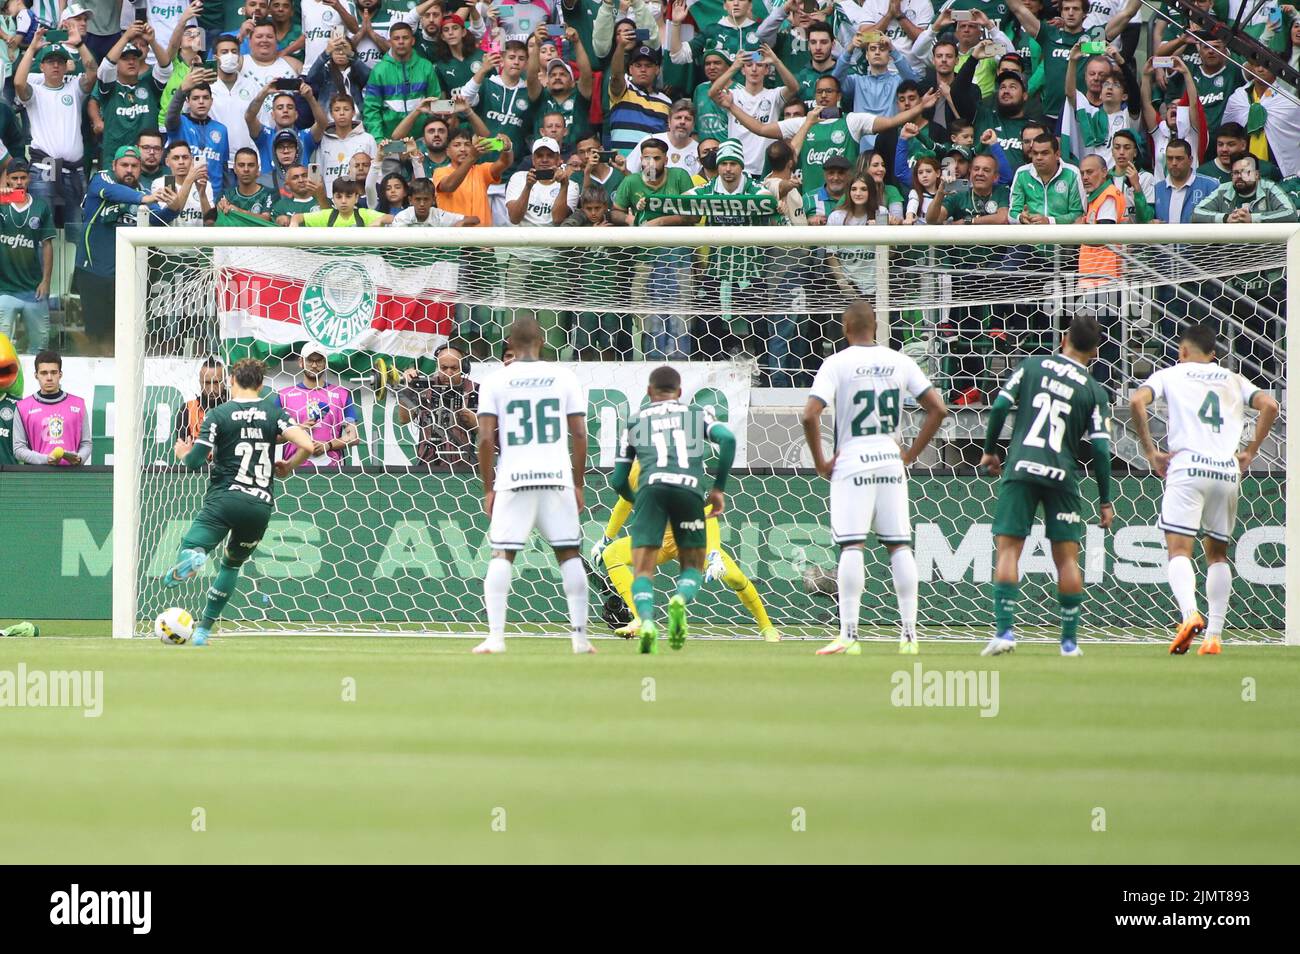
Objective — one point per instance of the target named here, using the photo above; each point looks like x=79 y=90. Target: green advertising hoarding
x=356 y=547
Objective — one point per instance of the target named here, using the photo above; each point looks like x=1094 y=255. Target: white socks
x=1182 y=580
x=575 y=590
x=903 y=562
x=853 y=580
x=1218 y=588
x=496 y=590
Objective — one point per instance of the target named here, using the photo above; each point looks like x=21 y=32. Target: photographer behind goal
x=443 y=406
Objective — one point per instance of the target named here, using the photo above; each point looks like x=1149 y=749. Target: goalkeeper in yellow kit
x=617 y=556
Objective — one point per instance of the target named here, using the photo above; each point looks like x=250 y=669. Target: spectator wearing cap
x=284 y=119
x=126 y=99
x=326 y=410
x=26 y=259
x=540 y=197
x=189 y=118
x=54 y=104
x=113 y=198
x=101 y=20
x=248 y=194
x=1006 y=116
x=398 y=83
x=567 y=97
x=711 y=119
x=819 y=203
x=636 y=109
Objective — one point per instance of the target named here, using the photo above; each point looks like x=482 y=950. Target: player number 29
x=884 y=404
x=1049 y=409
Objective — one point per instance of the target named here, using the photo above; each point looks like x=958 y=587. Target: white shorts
x=871 y=500
x=553 y=511
x=1195 y=503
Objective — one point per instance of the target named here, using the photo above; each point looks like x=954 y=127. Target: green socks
x=1005 y=596
x=1071 y=611
x=643 y=598
x=689 y=583
x=223 y=587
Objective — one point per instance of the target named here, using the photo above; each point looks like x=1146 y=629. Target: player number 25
x=1049 y=409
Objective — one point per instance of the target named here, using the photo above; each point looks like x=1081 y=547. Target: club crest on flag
x=337 y=304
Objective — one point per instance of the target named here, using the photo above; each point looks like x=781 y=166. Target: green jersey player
x=1058 y=407
x=240 y=436
x=669 y=439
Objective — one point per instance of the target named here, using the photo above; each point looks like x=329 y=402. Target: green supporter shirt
x=454 y=73
x=507 y=112
x=577 y=117
x=127 y=112
x=827 y=138
x=1058 y=407
x=288 y=205
x=808 y=77
x=740 y=265
x=670 y=440
x=634 y=188
x=611 y=183
x=710 y=118
x=8 y=412
x=1008 y=131
x=1056 y=45
x=241 y=436
x=966 y=206
x=261 y=201
x=23 y=234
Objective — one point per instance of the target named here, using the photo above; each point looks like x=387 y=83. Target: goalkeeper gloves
x=598 y=549
x=713 y=565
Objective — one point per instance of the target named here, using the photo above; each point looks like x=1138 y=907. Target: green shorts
x=1017 y=507
x=658 y=507
x=240 y=517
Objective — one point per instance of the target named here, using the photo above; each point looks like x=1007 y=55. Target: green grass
x=255 y=732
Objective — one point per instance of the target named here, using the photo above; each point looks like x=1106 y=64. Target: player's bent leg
x=1218 y=591
x=743 y=587
x=204 y=535
x=618 y=566
x=1182 y=583
x=1069 y=593
x=852 y=579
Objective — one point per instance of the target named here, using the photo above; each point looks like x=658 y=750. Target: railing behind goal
x=389 y=542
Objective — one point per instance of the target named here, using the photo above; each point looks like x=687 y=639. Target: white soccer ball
x=174 y=626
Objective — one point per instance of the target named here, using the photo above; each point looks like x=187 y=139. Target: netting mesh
x=393 y=538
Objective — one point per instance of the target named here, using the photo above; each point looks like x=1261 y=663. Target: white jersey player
x=1202 y=469
x=867 y=385
x=537 y=414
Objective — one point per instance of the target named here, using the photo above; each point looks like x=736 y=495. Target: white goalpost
x=391 y=541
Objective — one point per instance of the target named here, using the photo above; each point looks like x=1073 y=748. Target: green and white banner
x=712 y=206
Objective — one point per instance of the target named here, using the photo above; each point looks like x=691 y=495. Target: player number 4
x=1210 y=412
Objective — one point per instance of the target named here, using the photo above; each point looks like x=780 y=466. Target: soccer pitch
x=729 y=751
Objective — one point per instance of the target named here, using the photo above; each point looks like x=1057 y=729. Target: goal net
x=391 y=537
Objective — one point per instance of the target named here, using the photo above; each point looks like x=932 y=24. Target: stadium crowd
x=345 y=113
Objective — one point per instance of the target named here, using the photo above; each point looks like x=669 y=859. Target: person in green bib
x=248 y=195
x=1057 y=41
